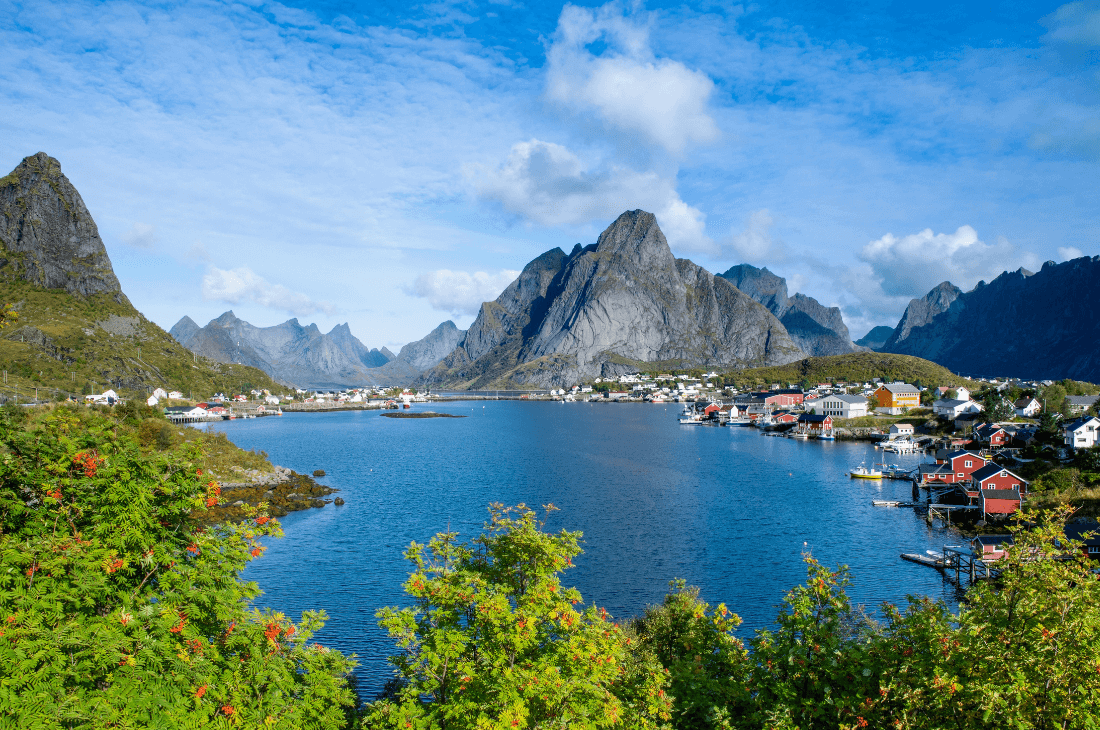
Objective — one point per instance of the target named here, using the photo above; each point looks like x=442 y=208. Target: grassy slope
x=853 y=367
x=132 y=365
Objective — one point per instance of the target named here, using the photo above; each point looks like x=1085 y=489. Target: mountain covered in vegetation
x=76 y=330
x=620 y=304
x=305 y=357
x=817 y=329
x=1026 y=325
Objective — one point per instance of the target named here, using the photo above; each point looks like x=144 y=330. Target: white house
x=272 y=400
x=108 y=396
x=952 y=409
x=840 y=406
x=151 y=400
x=1027 y=407
x=160 y=394
x=175 y=395
x=1080 y=403
x=901 y=430
x=1083 y=433
x=962 y=393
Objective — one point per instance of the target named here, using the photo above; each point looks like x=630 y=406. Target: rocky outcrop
x=876 y=338
x=610 y=307
x=1034 y=326
x=47 y=235
x=817 y=329
x=922 y=311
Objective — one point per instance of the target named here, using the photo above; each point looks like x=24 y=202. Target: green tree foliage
x=493 y=640
x=1053 y=398
x=118 y=610
x=994 y=407
x=707 y=664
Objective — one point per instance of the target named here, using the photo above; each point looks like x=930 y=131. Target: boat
x=689 y=417
x=862 y=472
x=797 y=435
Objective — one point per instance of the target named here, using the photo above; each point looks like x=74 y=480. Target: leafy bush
x=118 y=610
x=494 y=640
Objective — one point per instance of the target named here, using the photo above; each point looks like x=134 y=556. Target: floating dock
x=892 y=503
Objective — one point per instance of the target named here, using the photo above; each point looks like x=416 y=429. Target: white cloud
x=459 y=292
x=755 y=243
x=913 y=264
x=1077 y=23
x=141 y=235
x=234 y=286
x=1067 y=253
x=626 y=86
x=548 y=184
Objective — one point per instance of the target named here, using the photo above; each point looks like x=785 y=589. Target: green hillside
x=66 y=344
x=853 y=367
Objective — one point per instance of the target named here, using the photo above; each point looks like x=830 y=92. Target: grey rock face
x=817 y=329
x=1034 y=326
x=876 y=338
x=623 y=301
x=427 y=352
x=922 y=311
x=47 y=235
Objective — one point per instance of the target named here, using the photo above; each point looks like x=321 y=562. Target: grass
x=74 y=361
x=856 y=367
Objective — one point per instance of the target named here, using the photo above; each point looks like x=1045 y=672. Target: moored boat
x=862 y=472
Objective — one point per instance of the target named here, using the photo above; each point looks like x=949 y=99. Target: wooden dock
x=893 y=503
x=928 y=560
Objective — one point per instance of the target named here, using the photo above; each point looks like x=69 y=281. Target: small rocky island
x=284 y=491
x=420 y=414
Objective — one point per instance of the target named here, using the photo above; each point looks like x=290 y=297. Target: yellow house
x=896 y=398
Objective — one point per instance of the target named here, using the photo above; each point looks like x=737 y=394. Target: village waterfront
x=725 y=508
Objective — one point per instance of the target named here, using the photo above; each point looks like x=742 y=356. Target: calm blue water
x=726 y=508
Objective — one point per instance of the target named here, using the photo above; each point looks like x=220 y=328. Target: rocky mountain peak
x=922 y=311
x=47 y=235
x=636 y=237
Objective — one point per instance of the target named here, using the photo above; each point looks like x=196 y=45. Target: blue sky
x=393 y=165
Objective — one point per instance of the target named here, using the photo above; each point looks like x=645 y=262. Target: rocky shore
x=282 y=489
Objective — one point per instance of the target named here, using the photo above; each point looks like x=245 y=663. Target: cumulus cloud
x=1077 y=23
x=550 y=185
x=1068 y=253
x=755 y=243
x=140 y=235
x=626 y=86
x=460 y=292
x=911 y=265
x=234 y=286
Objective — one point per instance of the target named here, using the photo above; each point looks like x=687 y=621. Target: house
x=187 y=414
x=991 y=547
x=901 y=430
x=999 y=502
x=1027 y=407
x=175 y=395
x=274 y=400
x=995 y=477
x=951 y=467
x=841 y=406
x=1082 y=433
x=952 y=409
x=992 y=435
x=1087 y=533
x=769 y=400
x=1080 y=403
x=785 y=418
x=108 y=397
x=896 y=398
x=815 y=425
x=151 y=400
x=160 y=394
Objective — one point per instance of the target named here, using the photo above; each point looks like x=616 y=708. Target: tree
x=119 y=610
x=707 y=664
x=493 y=639
x=994 y=407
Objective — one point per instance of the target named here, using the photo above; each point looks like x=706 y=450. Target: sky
x=393 y=165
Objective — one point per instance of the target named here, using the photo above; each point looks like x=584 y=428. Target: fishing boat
x=689 y=417
x=862 y=472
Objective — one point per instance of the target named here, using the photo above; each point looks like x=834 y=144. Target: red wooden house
x=784 y=417
x=999 y=501
x=994 y=476
x=992 y=435
x=952 y=467
x=990 y=547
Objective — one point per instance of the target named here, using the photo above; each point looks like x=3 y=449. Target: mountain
x=876 y=338
x=922 y=311
x=817 y=329
x=1035 y=326
x=77 y=331
x=615 y=306
x=305 y=357
x=289 y=352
